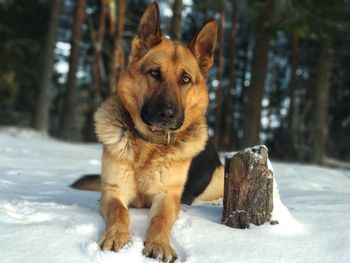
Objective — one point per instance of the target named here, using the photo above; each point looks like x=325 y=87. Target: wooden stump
x=248 y=191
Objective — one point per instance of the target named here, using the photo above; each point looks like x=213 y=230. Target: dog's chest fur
x=144 y=169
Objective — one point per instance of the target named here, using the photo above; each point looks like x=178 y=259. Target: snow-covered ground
x=43 y=220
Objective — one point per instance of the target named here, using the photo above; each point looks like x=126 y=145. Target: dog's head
x=164 y=86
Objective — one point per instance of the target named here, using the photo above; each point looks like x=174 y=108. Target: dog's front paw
x=114 y=240
x=161 y=252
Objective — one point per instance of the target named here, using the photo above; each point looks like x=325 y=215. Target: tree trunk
x=289 y=147
x=303 y=132
x=99 y=90
x=248 y=189
x=42 y=117
x=319 y=112
x=293 y=86
x=240 y=97
x=69 y=126
x=117 y=57
x=231 y=91
x=251 y=124
x=218 y=112
x=98 y=72
x=176 y=28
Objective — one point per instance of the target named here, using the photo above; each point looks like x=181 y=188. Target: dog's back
x=205 y=178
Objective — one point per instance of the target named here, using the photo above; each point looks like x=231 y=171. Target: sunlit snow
x=43 y=220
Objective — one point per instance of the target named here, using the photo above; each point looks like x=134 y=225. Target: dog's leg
x=116 y=215
x=114 y=203
x=164 y=211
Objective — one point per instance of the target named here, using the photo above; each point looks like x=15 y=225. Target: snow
x=43 y=220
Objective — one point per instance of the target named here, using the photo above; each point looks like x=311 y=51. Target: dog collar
x=164 y=138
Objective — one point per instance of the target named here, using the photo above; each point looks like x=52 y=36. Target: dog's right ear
x=149 y=33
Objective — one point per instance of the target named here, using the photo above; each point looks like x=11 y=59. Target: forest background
x=281 y=75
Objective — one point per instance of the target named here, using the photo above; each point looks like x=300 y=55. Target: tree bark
x=251 y=124
x=99 y=90
x=176 y=28
x=218 y=112
x=98 y=72
x=240 y=98
x=42 y=117
x=69 y=127
x=293 y=86
x=231 y=91
x=248 y=189
x=320 y=99
x=117 y=57
x=303 y=133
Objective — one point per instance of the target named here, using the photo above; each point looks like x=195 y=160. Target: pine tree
x=42 y=117
x=70 y=129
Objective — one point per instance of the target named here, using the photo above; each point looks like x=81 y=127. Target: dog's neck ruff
x=164 y=138
x=114 y=117
x=116 y=131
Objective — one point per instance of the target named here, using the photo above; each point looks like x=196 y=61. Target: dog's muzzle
x=162 y=115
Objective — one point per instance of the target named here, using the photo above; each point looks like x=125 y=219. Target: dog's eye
x=185 y=79
x=155 y=73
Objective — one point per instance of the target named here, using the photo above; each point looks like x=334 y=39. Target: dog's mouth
x=158 y=132
x=163 y=127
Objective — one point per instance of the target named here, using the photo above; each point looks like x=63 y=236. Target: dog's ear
x=149 y=33
x=203 y=45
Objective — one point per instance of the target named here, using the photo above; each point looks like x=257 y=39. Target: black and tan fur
x=154 y=136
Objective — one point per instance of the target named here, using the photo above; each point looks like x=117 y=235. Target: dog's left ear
x=149 y=34
x=203 y=45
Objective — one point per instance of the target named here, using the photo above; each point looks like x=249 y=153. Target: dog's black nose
x=167 y=114
x=162 y=115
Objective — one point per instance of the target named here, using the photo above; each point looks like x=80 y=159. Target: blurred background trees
x=281 y=77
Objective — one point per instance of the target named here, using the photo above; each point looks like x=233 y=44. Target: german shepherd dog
x=154 y=136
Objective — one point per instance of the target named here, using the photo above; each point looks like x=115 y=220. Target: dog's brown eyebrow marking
x=196 y=80
x=175 y=56
x=193 y=73
x=143 y=68
x=146 y=66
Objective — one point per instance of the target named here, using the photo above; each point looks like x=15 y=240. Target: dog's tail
x=90 y=182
